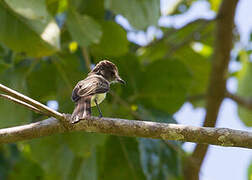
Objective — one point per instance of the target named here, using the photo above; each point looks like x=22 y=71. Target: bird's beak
x=120 y=80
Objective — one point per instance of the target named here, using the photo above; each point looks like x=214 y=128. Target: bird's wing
x=91 y=85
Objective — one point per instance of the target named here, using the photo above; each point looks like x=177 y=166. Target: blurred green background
x=45 y=49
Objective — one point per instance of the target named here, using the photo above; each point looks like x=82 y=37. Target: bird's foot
x=75 y=119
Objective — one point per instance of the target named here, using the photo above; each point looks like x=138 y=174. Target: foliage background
x=44 y=49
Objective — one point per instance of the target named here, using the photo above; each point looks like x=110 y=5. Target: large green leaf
x=199 y=67
x=176 y=39
x=113 y=42
x=82 y=143
x=26 y=169
x=52 y=155
x=245 y=88
x=41 y=81
x=130 y=70
x=120 y=159
x=88 y=168
x=159 y=161
x=13 y=114
x=93 y=8
x=69 y=72
x=83 y=28
x=140 y=13
x=27 y=27
x=165 y=85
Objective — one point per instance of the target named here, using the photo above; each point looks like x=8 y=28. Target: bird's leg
x=97 y=105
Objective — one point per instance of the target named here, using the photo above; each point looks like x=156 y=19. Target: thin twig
x=43 y=108
x=21 y=103
x=245 y=102
x=86 y=58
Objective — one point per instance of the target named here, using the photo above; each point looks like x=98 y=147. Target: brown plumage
x=92 y=90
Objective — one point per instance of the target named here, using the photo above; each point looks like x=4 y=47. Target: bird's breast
x=99 y=98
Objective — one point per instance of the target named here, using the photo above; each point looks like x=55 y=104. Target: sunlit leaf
x=215 y=4
x=250 y=172
x=140 y=13
x=24 y=28
x=113 y=42
x=83 y=28
x=199 y=66
x=165 y=85
x=245 y=88
x=56 y=6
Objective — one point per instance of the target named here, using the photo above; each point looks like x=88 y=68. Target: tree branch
x=245 y=102
x=218 y=77
x=43 y=108
x=132 y=128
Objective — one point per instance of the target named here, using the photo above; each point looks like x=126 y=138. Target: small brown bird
x=92 y=90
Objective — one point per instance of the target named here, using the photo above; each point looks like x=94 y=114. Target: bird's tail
x=82 y=109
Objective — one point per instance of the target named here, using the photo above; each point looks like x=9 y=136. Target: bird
x=92 y=90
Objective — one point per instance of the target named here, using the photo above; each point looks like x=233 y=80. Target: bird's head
x=108 y=70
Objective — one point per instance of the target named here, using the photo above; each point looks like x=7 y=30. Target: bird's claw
x=75 y=119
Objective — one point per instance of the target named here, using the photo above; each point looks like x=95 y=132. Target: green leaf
x=159 y=161
x=83 y=29
x=82 y=143
x=27 y=27
x=41 y=81
x=199 y=67
x=56 y=6
x=52 y=155
x=176 y=39
x=250 y=171
x=88 y=168
x=26 y=169
x=69 y=72
x=245 y=88
x=130 y=71
x=119 y=159
x=13 y=78
x=215 y=4
x=140 y=13
x=156 y=115
x=165 y=85
x=113 y=42
x=93 y=8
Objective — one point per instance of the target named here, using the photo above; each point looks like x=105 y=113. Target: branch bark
x=132 y=128
x=245 y=102
x=218 y=77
